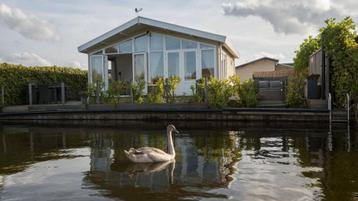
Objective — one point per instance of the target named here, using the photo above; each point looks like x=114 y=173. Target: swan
x=151 y=154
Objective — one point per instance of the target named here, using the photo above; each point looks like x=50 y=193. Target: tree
x=338 y=41
x=306 y=49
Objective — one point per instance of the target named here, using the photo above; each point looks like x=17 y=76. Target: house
x=271 y=77
x=146 y=49
x=264 y=67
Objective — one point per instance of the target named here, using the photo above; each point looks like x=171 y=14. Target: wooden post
x=63 y=98
x=2 y=95
x=30 y=94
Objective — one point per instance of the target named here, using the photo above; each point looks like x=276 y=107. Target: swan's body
x=151 y=154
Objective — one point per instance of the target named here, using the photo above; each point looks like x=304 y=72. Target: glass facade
x=156 y=55
x=190 y=65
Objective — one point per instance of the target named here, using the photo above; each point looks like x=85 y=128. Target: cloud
x=27 y=59
x=76 y=64
x=27 y=25
x=278 y=56
x=289 y=17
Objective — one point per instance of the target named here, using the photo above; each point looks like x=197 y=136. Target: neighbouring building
x=146 y=49
x=318 y=84
x=264 y=67
x=271 y=77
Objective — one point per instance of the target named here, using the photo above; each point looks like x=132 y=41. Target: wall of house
x=230 y=65
x=246 y=72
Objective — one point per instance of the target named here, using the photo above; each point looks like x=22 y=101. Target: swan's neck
x=171 y=149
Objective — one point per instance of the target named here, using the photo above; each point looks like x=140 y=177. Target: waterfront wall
x=171 y=112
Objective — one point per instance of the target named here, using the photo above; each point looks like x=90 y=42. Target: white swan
x=151 y=154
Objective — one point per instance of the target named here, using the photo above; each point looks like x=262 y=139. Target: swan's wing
x=158 y=157
x=147 y=150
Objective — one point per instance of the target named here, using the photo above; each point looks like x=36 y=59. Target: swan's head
x=171 y=128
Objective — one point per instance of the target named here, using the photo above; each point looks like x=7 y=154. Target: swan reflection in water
x=201 y=165
x=137 y=169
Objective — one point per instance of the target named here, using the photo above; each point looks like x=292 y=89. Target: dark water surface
x=237 y=163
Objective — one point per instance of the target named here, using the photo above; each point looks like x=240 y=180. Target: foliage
x=198 y=90
x=138 y=91
x=219 y=92
x=295 y=89
x=338 y=40
x=248 y=93
x=115 y=90
x=306 y=49
x=156 y=92
x=171 y=85
x=15 y=79
x=229 y=92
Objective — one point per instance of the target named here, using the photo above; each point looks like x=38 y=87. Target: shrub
x=295 y=90
x=15 y=79
x=198 y=91
x=138 y=91
x=171 y=85
x=219 y=92
x=156 y=92
x=248 y=93
x=115 y=90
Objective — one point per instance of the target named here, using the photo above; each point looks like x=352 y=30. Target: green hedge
x=15 y=79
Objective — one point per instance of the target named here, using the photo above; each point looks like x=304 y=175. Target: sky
x=48 y=32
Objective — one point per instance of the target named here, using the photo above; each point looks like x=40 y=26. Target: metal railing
x=348 y=107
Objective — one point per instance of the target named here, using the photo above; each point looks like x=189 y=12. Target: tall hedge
x=15 y=79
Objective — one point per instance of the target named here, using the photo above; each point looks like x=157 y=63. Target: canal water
x=234 y=162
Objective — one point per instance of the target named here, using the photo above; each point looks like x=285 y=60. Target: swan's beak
x=176 y=131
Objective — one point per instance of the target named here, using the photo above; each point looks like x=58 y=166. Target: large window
x=110 y=50
x=125 y=47
x=140 y=44
x=156 y=42
x=139 y=67
x=156 y=66
x=190 y=65
x=172 y=43
x=97 y=68
x=187 y=44
x=207 y=63
x=173 y=64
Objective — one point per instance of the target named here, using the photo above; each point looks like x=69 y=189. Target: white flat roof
x=161 y=25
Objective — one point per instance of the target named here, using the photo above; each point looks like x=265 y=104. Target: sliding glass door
x=140 y=68
x=173 y=66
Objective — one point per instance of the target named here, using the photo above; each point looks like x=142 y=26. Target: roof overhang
x=141 y=21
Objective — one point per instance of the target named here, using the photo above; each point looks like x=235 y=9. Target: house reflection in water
x=202 y=162
x=277 y=163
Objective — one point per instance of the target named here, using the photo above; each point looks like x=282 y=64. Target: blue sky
x=48 y=32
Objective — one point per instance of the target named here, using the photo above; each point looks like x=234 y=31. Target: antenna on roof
x=137 y=10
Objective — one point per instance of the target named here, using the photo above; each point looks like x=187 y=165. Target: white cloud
x=76 y=64
x=27 y=59
x=278 y=56
x=300 y=16
x=27 y=25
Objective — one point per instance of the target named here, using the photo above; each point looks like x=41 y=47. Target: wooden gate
x=271 y=93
